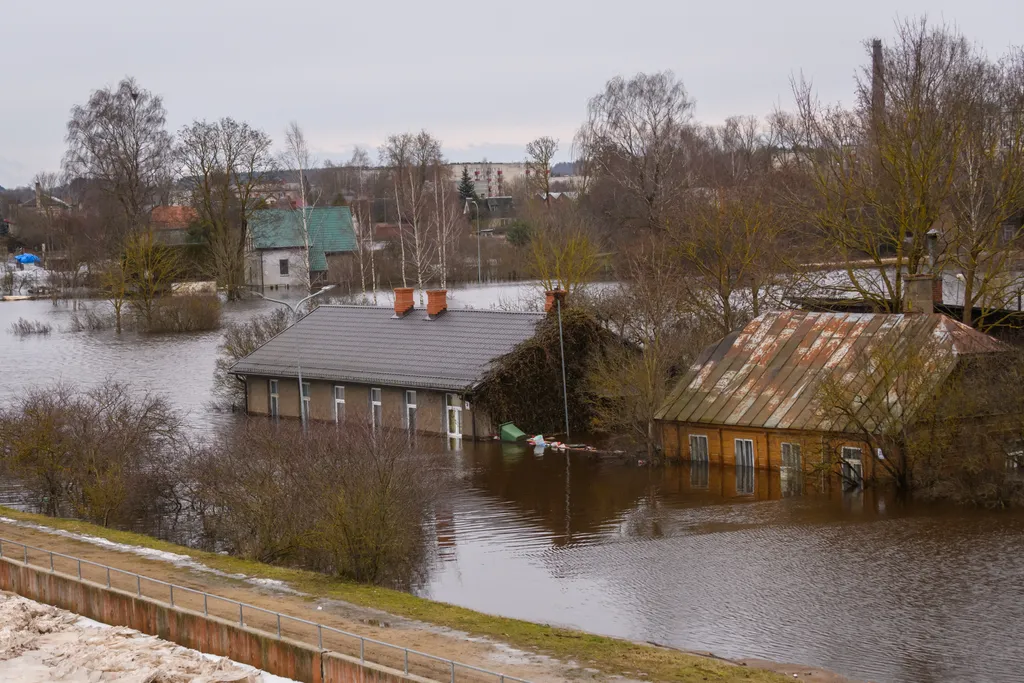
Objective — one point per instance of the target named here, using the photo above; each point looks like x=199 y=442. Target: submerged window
x=339 y=404
x=791 y=455
x=853 y=467
x=306 y=396
x=376 y=409
x=744 y=453
x=274 y=398
x=453 y=415
x=698 y=448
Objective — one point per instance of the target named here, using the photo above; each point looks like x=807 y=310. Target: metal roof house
x=276 y=254
x=395 y=367
x=750 y=399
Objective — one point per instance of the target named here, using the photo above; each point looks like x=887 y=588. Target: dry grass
x=23 y=327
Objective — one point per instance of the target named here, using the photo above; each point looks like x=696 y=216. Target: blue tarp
x=27 y=258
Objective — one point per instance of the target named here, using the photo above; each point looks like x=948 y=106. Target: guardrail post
x=206 y=611
x=406 y=661
x=26 y=554
x=138 y=585
x=279 y=626
x=320 y=636
x=108 y=577
x=79 y=570
x=51 y=561
x=240 y=622
x=362 y=649
x=171 y=586
x=453 y=672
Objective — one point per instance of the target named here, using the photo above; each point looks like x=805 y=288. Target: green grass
x=608 y=655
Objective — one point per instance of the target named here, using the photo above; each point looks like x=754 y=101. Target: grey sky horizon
x=485 y=78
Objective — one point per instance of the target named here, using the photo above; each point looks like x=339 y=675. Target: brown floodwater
x=860 y=583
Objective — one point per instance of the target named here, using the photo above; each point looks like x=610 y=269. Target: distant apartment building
x=491 y=179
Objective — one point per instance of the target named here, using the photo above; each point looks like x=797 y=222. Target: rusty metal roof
x=767 y=374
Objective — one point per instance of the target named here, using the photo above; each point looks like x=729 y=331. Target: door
x=454 y=415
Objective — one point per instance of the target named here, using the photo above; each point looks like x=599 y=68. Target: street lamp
x=295 y=317
x=465 y=212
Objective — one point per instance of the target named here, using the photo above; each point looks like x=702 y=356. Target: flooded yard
x=860 y=583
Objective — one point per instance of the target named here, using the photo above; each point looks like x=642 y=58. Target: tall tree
x=297 y=154
x=226 y=165
x=118 y=141
x=467 y=190
x=635 y=138
x=539 y=155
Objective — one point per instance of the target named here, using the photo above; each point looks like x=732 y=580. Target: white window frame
x=375 y=404
x=736 y=453
x=852 y=464
x=453 y=411
x=410 y=410
x=274 y=394
x=339 y=403
x=699 y=448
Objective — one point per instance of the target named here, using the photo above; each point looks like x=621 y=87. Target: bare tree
x=227 y=165
x=149 y=269
x=118 y=141
x=297 y=153
x=539 y=155
x=884 y=172
x=563 y=253
x=363 y=182
x=635 y=138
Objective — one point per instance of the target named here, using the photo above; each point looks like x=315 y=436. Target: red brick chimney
x=437 y=301
x=553 y=296
x=403 y=301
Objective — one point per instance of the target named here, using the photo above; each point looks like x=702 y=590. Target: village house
x=279 y=255
x=170 y=224
x=394 y=367
x=750 y=400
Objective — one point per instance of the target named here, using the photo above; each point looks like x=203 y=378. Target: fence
x=326 y=638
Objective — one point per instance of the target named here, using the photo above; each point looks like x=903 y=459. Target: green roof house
x=277 y=254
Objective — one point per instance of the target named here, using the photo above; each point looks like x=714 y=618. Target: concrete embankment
x=279 y=656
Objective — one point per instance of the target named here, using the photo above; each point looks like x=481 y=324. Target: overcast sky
x=484 y=76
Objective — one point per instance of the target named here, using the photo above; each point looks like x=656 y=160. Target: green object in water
x=509 y=432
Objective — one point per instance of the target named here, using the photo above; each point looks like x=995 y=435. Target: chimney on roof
x=39 y=195
x=403 y=301
x=921 y=293
x=551 y=297
x=437 y=302
x=877 y=80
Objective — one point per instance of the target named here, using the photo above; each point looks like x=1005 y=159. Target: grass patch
x=608 y=655
x=23 y=327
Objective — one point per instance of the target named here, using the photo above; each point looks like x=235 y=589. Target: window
x=744 y=449
x=744 y=453
x=274 y=398
x=305 y=401
x=453 y=415
x=283 y=266
x=698 y=448
x=1009 y=232
x=410 y=411
x=339 y=404
x=791 y=455
x=376 y=409
x=853 y=468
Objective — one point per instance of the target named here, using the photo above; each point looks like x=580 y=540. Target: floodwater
x=857 y=583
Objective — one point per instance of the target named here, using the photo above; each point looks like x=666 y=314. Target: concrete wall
x=430 y=406
x=212 y=635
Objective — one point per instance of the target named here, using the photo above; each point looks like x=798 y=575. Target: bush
x=101 y=454
x=23 y=327
x=241 y=339
x=350 y=502
x=90 y=319
x=193 y=313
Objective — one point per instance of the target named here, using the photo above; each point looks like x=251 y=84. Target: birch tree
x=297 y=154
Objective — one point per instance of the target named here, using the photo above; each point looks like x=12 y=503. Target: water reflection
x=741 y=563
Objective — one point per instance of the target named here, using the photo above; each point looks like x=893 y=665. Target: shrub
x=90 y=319
x=23 y=327
x=193 y=313
x=241 y=339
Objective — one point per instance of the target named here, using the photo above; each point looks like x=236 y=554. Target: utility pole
x=479 y=267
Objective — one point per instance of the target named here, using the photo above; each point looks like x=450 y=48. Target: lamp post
x=294 y=308
x=465 y=211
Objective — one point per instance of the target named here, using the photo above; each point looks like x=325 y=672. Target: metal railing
x=256 y=618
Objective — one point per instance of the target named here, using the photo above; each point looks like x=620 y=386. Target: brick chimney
x=437 y=301
x=403 y=301
x=921 y=293
x=551 y=297
x=39 y=195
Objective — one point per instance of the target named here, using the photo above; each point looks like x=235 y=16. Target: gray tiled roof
x=368 y=345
